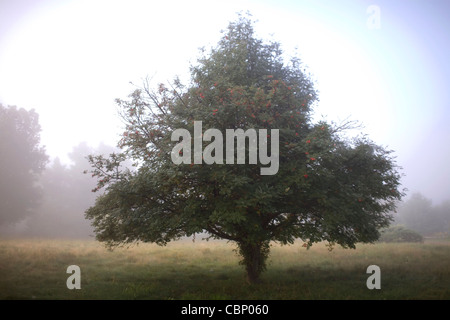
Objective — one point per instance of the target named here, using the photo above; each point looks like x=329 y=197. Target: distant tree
x=326 y=188
x=22 y=160
x=66 y=194
x=419 y=214
x=442 y=212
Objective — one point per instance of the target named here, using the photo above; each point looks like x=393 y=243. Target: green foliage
x=22 y=161
x=400 y=234
x=327 y=188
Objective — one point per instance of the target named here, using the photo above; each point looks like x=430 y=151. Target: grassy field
x=36 y=269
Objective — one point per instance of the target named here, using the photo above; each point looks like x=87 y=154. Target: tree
x=442 y=213
x=22 y=160
x=325 y=188
x=419 y=214
x=65 y=196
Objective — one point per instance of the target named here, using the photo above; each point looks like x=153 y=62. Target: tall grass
x=36 y=269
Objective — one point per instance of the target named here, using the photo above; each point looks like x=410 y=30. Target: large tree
x=22 y=159
x=323 y=187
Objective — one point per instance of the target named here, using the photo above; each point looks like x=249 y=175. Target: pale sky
x=69 y=60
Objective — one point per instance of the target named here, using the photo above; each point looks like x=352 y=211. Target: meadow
x=36 y=269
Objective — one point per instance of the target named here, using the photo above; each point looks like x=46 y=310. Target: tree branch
x=219 y=233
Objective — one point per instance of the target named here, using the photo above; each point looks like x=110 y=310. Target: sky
x=382 y=63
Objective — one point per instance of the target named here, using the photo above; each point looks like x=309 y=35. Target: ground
x=36 y=269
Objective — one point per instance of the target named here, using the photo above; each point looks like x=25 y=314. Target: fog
x=69 y=60
x=66 y=192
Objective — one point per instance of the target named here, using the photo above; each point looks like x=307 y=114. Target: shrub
x=400 y=234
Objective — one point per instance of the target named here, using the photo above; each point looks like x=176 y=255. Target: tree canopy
x=326 y=187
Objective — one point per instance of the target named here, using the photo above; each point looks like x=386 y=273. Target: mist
x=70 y=60
x=65 y=193
x=420 y=214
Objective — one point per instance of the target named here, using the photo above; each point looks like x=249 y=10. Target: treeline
x=40 y=197
x=419 y=214
x=43 y=198
x=65 y=193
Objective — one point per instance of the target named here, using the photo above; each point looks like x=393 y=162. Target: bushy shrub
x=400 y=234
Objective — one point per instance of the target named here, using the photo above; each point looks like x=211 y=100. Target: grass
x=36 y=269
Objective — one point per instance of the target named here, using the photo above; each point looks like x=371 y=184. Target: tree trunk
x=254 y=259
